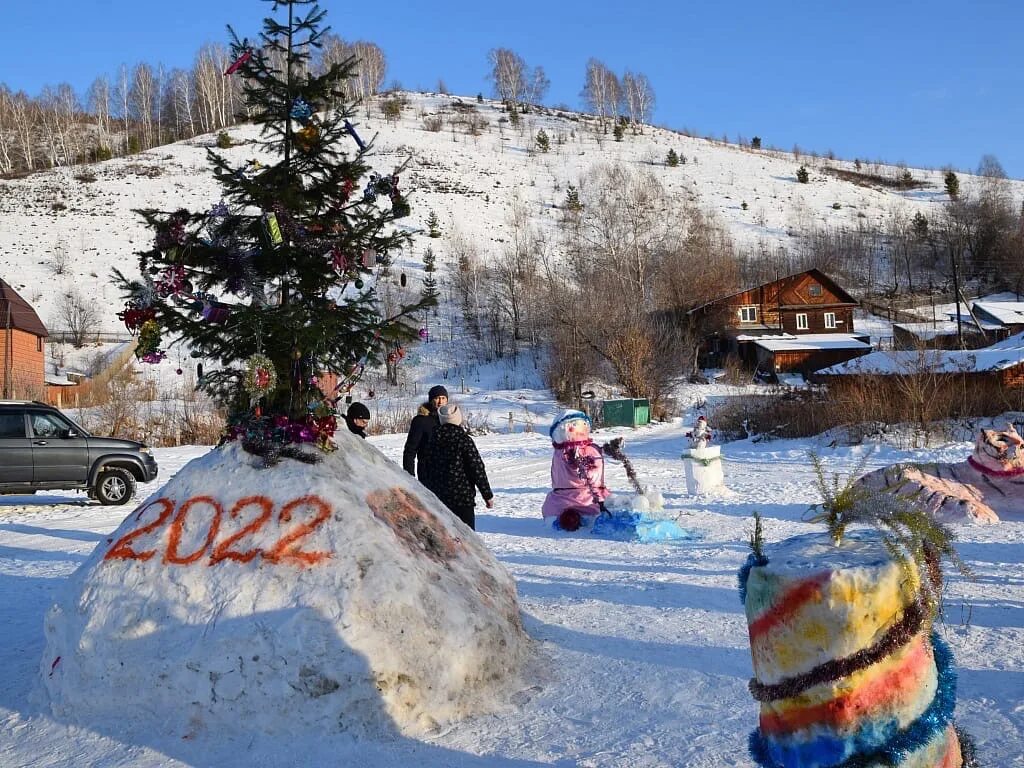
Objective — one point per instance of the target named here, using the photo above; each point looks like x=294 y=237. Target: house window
x=830 y=319
x=801 y=321
x=814 y=289
x=39 y=343
x=748 y=314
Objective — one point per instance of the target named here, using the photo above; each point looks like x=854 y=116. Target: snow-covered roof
x=58 y=380
x=943 y=328
x=810 y=342
x=1006 y=312
x=998 y=357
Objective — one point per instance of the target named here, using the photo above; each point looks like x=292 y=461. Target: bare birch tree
x=371 y=68
x=7 y=129
x=637 y=99
x=122 y=90
x=141 y=96
x=98 y=101
x=508 y=72
x=537 y=86
x=601 y=92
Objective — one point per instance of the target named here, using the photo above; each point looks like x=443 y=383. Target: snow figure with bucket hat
x=579 y=497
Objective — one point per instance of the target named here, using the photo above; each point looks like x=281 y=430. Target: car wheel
x=115 y=486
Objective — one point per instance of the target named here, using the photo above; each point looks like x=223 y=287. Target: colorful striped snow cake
x=847 y=669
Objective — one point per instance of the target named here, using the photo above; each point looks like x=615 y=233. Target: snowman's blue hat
x=565 y=416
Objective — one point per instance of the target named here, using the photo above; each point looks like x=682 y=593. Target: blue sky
x=927 y=83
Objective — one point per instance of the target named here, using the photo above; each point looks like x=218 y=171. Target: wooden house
x=23 y=351
x=800 y=322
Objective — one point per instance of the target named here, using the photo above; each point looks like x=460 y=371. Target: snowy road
x=642 y=656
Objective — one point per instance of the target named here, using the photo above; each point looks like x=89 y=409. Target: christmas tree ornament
x=358 y=284
x=148 y=347
x=401 y=280
x=216 y=313
x=273 y=228
x=351 y=131
x=178 y=371
x=347 y=188
x=369 y=258
x=307 y=137
x=260 y=376
x=400 y=208
x=301 y=111
x=237 y=63
x=424 y=334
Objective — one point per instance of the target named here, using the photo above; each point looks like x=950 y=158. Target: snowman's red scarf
x=573 y=455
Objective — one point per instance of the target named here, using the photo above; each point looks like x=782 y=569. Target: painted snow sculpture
x=979 y=490
x=848 y=669
x=295 y=599
x=577 y=490
x=702 y=461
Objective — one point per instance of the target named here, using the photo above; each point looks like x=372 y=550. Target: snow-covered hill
x=66 y=228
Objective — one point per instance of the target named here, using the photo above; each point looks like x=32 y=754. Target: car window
x=12 y=425
x=45 y=425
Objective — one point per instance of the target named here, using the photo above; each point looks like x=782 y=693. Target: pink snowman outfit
x=573 y=449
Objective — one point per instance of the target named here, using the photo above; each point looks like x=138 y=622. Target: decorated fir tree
x=275 y=283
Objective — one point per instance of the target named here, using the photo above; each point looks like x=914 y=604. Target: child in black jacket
x=456 y=470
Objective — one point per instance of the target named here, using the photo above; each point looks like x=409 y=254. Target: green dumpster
x=630 y=412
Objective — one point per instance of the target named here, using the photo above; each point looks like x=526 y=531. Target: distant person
x=357 y=418
x=455 y=469
x=417 y=444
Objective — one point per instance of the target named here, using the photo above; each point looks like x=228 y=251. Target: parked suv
x=42 y=449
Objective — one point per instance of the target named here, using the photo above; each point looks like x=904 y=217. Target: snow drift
x=335 y=597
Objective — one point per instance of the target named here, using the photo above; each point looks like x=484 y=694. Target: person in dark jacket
x=456 y=471
x=357 y=417
x=417 y=444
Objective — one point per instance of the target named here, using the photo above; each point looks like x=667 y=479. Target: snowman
x=578 y=489
x=700 y=437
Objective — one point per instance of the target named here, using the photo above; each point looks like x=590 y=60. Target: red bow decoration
x=134 y=317
x=237 y=64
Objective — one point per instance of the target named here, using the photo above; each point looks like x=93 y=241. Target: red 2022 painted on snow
x=286 y=550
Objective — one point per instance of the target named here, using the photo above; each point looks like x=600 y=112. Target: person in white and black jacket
x=455 y=471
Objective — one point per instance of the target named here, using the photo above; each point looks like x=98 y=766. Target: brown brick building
x=22 y=347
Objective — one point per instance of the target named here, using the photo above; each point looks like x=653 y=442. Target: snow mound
x=340 y=596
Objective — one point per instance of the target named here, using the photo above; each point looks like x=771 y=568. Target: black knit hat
x=437 y=391
x=358 y=411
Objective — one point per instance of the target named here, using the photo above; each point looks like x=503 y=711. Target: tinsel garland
x=574 y=457
x=753 y=561
x=898 y=635
x=260 y=376
x=934 y=719
x=613 y=448
x=276 y=437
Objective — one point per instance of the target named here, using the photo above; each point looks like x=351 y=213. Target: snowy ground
x=642 y=649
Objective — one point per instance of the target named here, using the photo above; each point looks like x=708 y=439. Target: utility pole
x=956 y=297
x=8 y=349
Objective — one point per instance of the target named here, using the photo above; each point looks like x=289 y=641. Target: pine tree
x=543 y=142
x=433 y=225
x=755 y=143
x=572 y=199
x=276 y=282
x=672 y=159
x=802 y=175
x=952 y=185
x=430 y=291
x=618 y=131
